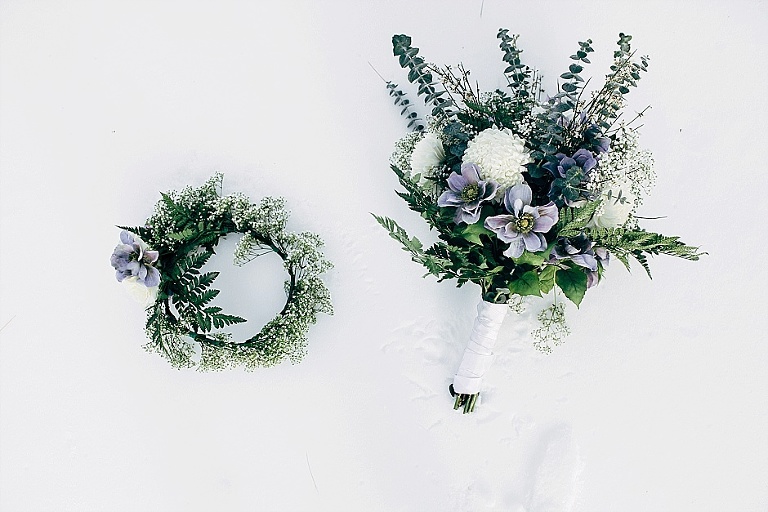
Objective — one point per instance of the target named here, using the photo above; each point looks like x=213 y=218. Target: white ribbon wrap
x=478 y=355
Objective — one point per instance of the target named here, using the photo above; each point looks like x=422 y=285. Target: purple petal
x=497 y=222
x=520 y=191
x=510 y=232
x=585 y=260
x=150 y=257
x=534 y=242
x=548 y=217
x=603 y=255
x=449 y=198
x=126 y=237
x=457 y=182
x=152 y=278
x=133 y=267
x=470 y=172
x=515 y=249
x=142 y=272
x=490 y=187
x=585 y=160
x=592 y=279
x=469 y=215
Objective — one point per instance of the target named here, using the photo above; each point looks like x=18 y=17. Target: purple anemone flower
x=132 y=259
x=466 y=192
x=578 y=249
x=523 y=228
x=582 y=251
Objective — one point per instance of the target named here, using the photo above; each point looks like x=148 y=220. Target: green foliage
x=573 y=283
x=605 y=107
x=192 y=293
x=419 y=74
x=573 y=220
x=472 y=233
x=526 y=284
x=523 y=81
x=400 y=100
x=636 y=243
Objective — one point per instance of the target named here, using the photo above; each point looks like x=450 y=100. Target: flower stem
x=463 y=400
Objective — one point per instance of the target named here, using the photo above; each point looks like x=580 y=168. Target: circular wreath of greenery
x=166 y=256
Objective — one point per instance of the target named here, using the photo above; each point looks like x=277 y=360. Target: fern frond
x=638 y=243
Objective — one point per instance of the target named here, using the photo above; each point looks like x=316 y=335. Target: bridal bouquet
x=527 y=195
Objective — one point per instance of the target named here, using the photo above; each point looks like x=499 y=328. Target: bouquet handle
x=478 y=355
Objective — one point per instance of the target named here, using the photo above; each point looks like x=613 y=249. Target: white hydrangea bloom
x=428 y=154
x=500 y=154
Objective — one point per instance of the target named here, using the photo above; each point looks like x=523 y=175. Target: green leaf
x=573 y=283
x=531 y=258
x=472 y=233
x=547 y=278
x=526 y=284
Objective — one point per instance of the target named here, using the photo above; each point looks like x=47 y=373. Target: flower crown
x=161 y=264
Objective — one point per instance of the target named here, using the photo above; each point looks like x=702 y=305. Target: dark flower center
x=470 y=192
x=524 y=223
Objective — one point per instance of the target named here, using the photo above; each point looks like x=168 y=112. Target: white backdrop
x=657 y=401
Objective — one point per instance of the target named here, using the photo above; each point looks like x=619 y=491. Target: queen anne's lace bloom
x=500 y=154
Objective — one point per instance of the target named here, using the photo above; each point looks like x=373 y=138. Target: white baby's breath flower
x=140 y=293
x=618 y=201
x=500 y=154
x=428 y=154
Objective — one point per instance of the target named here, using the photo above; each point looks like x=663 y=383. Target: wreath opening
x=255 y=290
x=162 y=263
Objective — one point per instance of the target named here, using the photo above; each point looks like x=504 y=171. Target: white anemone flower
x=500 y=154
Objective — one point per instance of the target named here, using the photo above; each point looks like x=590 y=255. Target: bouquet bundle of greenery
x=527 y=195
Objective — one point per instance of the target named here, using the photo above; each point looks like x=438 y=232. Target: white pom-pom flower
x=501 y=156
x=427 y=155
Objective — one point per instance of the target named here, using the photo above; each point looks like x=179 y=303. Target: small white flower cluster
x=401 y=156
x=204 y=200
x=623 y=178
x=500 y=154
x=553 y=329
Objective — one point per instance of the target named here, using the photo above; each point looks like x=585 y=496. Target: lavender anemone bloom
x=578 y=249
x=582 y=251
x=132 y=259
x=523 y=228
x=466 y=192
